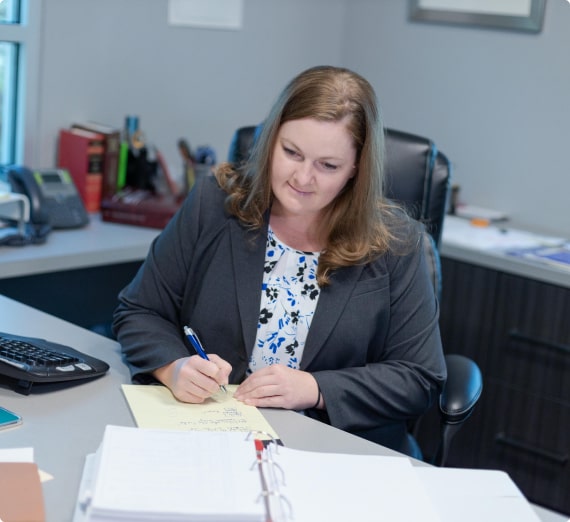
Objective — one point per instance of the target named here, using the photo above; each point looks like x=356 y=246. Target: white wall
x=496 y=102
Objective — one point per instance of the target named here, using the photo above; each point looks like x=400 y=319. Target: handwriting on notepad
x=155 y=407
x=225 y=419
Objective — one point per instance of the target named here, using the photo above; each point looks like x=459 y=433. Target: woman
x=306 y=287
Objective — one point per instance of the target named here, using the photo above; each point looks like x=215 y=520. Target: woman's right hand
x=193 y=379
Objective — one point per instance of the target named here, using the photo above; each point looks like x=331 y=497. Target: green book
x=123 y=160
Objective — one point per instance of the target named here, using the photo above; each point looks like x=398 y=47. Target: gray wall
x=496 y=102
x=104 y=59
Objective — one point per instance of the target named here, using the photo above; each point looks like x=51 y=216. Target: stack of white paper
x=171 y=475
x=151 y=475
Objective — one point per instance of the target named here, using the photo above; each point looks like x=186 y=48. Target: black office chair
x=417 y=176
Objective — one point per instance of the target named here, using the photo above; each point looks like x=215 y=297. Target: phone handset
x=23 y=181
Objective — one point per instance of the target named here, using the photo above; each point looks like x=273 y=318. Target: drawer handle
x=518 y=336
x=558 y=458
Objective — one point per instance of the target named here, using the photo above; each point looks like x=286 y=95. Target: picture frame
x=518 y=15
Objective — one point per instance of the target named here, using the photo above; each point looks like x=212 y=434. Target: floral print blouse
x=288 y=302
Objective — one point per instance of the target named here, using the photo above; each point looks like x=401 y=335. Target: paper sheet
x=473 y=495
x=352 y=488
x=16 y=454
x=169 y=475
x=155 y=407
x=221 y=14
x=22 y=455
x=460 y=232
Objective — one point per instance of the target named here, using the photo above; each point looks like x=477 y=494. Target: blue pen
x=195 y=342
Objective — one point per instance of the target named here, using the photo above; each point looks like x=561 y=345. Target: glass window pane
x=9 y=11
x=8 y=82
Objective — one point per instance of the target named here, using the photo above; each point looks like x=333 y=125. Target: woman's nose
x=304 y=173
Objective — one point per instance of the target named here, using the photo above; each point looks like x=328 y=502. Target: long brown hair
x=357 y=226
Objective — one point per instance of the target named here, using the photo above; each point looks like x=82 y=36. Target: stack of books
x=96 y=156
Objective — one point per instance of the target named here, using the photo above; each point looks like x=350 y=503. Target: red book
x=81 y=152
x=112 y=144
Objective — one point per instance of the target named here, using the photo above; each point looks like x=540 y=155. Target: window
x=8 y=87
x=19 y=60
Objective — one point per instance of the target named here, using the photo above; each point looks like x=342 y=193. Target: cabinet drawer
x=533 y=364
x=531 y=342
x=529 y=438
x=467 y=309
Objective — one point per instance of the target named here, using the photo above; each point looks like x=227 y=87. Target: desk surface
x=63 y=424
x=99 y=243
x=482 y=246
x=102 y=243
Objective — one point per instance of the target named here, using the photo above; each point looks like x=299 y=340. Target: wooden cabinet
x=518 y=331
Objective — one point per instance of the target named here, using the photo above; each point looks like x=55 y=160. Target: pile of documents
x=226 y=472
x=167 y=475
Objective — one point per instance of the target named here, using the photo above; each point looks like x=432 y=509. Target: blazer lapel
x=248 y=252
x=330 y=306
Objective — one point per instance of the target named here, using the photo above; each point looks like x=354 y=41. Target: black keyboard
x=28 y=360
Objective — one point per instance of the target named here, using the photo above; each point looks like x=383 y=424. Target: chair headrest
x=242 y=143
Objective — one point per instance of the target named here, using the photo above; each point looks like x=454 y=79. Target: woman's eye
x=329 y=166
x=291 y=152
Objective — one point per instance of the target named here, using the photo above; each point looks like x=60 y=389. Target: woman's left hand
x=278 y=386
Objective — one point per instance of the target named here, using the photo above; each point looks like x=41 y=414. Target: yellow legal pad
x=155 y=407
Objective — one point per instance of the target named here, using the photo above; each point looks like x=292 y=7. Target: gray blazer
x=373 y=346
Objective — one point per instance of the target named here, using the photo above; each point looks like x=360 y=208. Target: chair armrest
x=462 y=389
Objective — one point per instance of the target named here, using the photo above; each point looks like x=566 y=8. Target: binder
x=160 y=475
x=81 y=153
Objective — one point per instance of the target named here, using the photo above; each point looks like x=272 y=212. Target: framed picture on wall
x=520 y=15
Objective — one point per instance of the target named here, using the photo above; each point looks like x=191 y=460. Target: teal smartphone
x=9 y=419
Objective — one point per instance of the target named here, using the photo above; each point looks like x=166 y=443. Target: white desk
x=462 y=241
x=64 y=423
x=99 y=243
x=103 y=257
x=77 y=274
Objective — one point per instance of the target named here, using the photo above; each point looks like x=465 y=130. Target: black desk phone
x=54 y=199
